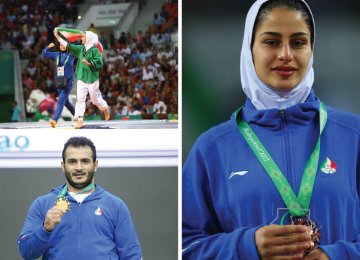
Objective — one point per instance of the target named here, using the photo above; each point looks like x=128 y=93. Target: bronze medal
x=304 y=220
x=62 y=203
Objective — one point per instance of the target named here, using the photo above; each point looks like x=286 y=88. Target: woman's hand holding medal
x=53 y=217
x=283 y=242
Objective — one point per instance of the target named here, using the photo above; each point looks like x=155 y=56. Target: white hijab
x=261 y=95
x=91 y=40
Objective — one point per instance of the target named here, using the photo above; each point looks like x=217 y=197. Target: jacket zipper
x=287 y=174
x=79 y=225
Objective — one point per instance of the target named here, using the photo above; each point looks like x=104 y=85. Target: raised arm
x=57 y=36
x=46 y=54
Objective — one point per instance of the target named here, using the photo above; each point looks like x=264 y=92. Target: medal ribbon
x=86 y=189
x=59 y=59
x=296 y=205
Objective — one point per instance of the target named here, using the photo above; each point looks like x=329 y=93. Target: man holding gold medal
x=79 y=219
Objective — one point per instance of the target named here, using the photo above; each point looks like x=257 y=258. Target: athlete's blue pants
x=63 y=100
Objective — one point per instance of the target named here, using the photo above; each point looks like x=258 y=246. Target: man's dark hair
x=293 y=5
x=79 y=141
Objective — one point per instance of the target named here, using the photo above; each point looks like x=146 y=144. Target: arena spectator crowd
x=140 y=72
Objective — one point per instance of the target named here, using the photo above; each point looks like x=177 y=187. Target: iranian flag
x=72 y=35
x=328 y=166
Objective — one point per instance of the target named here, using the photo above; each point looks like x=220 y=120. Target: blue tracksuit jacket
x=98 y=228
x=69 y=75
x=222 y=211
x=69 y=66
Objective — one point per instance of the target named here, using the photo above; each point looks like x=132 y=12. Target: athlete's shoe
x=107 y=114
x=52 y=123
x=80 y=123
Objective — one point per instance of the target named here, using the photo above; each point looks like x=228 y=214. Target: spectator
x=112 y=40
x=164 y=14
x=124 y=109
x=147 y=74
x=158 y=20
x=123 y=39
x=133 y=111
x=159 y=106
x=139 y=37
x=103 y=41
x=16 y=112
x=92 y=28
x=5 y=42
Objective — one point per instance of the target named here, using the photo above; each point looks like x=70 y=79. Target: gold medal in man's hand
x=62 y=203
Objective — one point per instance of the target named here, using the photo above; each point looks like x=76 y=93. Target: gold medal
x=62 y=203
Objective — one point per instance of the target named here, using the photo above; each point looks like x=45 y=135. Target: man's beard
x=79 y=185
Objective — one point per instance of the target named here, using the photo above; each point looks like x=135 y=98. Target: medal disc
x=62 y=203
x=315 y=236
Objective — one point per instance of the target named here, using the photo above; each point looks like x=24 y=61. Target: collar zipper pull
x=282 y=113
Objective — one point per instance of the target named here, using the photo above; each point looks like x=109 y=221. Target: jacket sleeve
x=75 y=49
x=202 y=234
x=46 y=54
x=343 y=249
x=96 y=60
x=34 y=239
x=127 y=243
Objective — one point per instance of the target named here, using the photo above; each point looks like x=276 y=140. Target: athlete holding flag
x=89 y=63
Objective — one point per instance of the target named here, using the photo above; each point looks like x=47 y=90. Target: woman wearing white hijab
x=87 y=73
x=268 y=182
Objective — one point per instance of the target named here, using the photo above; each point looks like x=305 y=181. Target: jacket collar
x=94 y=195
x=300 y=114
